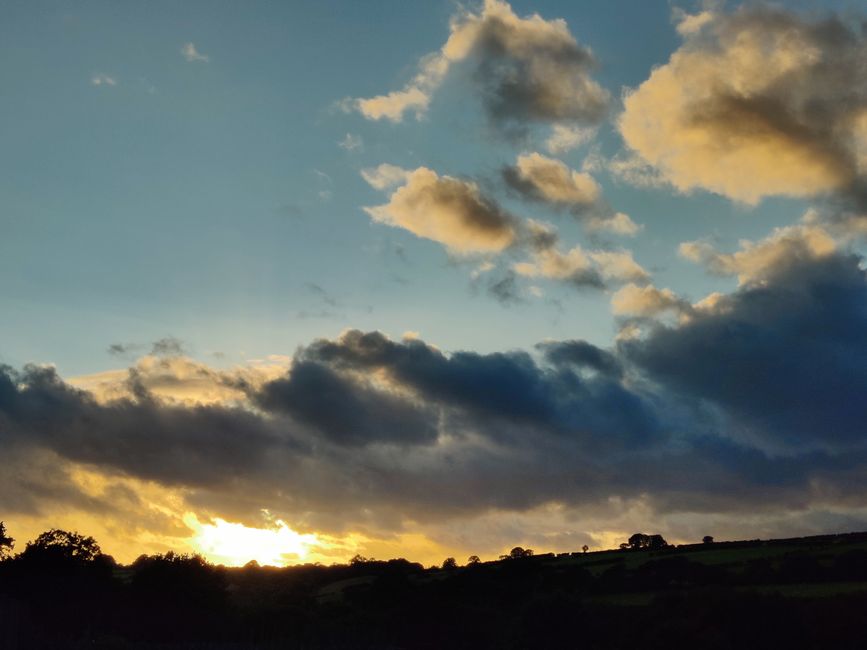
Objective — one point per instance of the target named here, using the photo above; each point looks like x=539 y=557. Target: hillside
x=799 y=593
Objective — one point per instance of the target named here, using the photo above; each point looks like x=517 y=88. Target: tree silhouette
x=474 y=559
x=585 y=548
x=707 y=539
x=6 y=543
x=640 y=541
x=450 y=563
x=656 y=542
x=58 y=545
x=517 y=553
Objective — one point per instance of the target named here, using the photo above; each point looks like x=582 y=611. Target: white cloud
x=351 y=142
x=564 y=138
x=103 y=80
x=192 y=55
x=385 y=176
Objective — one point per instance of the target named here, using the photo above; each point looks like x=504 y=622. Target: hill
x=794 y=593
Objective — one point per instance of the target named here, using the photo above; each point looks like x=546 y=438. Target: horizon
x=297 y=283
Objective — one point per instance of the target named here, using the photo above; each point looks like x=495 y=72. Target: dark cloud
x=525 y=70
x=505 y=289
x=753 y=404
x=349 y=412
x=321 y=293
x=168 y=347
x=582 y=355
x=121 y=349
x=199 y=445
x=529 y=70
x=784 y=358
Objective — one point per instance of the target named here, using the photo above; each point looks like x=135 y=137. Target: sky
x=295 y=281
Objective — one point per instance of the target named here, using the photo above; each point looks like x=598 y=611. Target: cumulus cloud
x=549 y=180
x=617 y=223
x=783 y=359
x=447 y=210
x=192 y=55
x=756 y=395
x=576 y=266
x=525 y=70
x=538 y=178
x=755 y=103
x=757 y=260
x=634 y=300
x=690 y=24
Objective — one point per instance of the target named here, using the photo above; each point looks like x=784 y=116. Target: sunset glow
x=295 y=281
x=234 y=544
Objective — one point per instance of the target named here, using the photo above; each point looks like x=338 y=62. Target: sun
x=234 y=544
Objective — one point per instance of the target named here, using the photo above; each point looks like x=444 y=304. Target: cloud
x=705 y=415
x=576 y=266
x=633 y=300
x=447 y=210
x=168 y=347
x=546 y=179
x=525 y=70
x=757 y=103
x=617 y=223
x=505 y=289
x=538 y=178
x=385 y=176
x=349 y=412
x=351 y=142
x=101 y=79
x=192 y=55
x=564 y=138
x=757 y=260
x=691 y=24
x=783 y=359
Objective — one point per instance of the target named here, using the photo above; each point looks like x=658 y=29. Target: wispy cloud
x=351 y=142
x=192 y=55
x=100 y=79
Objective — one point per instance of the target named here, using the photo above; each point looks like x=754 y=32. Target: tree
x=474 y=559
x=707 y=539
x=6 y=543
x=585 y=548
x=517 y=553
x=450 y=563
x=57 y=545
x=638 y=541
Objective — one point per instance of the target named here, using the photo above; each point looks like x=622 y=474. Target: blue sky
x=198 y=173
x=198 y=199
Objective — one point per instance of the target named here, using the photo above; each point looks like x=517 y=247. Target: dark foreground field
x=799 y=593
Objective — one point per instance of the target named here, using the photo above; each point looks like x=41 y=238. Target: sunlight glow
x=233 y=544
